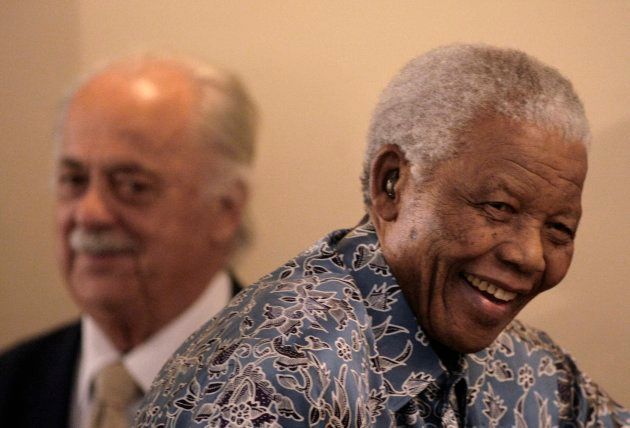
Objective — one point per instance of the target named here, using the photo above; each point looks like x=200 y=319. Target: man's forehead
x=163 y=74
x=500 y=130
x=84 y=139
x=131 y=149
x=135 y=117
x=157 y=86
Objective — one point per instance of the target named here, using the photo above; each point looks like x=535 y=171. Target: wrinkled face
x=135 y=225
x=491 y=229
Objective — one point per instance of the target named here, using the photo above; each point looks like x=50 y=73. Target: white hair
x=228 y=126
x=225 y=118
x=436 y=96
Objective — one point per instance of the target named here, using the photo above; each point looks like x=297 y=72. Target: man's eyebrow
x=70 y=163
x=117 y=167
x=128 y=168
x=133 y=169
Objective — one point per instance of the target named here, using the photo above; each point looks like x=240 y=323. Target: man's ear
x=388 y=174
x=230 y=211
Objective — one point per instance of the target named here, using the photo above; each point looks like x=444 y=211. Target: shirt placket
x=454 y=400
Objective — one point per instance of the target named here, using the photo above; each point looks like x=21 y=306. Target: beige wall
x=39 y=53
x=316 y=68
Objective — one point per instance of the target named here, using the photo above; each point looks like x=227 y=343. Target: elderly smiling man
x=473 y=176
x=151 y=191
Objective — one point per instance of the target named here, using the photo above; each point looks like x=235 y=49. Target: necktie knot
x=114 y=390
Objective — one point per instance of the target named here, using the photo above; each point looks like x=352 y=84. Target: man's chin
x=103 y=289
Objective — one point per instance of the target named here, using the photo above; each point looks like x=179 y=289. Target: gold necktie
x=114 y=391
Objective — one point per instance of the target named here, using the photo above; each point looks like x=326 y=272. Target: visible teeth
x=507 y=296
x=492 y=289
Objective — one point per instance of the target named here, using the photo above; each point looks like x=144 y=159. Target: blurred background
x=315 y=69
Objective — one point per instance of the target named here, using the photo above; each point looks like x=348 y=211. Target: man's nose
x=94 y=209
x=524 y=250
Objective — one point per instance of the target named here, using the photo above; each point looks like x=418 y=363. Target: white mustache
x=99 y=242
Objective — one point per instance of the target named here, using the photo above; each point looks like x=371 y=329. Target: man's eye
x=561 y=233
x=72 y=179
x=135 y=187
x=499 y=211
x=500 y=206
x=134 y=190
x=71 y=183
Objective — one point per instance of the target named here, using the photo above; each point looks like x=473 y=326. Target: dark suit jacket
x=37 y=377
x=36 y=380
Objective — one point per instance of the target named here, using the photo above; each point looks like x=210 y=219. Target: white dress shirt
x=145 y=360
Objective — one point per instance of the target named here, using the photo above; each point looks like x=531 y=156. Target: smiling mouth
x=488 y=288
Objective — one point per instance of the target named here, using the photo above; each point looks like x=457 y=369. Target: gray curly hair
x=436 y=96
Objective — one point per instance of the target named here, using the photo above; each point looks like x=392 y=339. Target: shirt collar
x=403 y=353
x=145 y=360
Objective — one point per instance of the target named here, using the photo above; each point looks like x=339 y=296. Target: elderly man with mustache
x=151 y=188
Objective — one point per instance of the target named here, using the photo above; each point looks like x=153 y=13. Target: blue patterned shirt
x=328 y=340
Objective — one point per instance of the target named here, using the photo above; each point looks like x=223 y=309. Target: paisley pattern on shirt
x=328 y=340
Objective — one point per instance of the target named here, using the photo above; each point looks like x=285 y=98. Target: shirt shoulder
x=528 y=379
x=291 y=349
